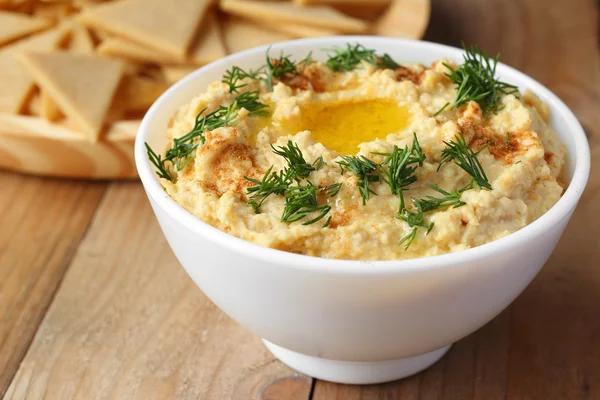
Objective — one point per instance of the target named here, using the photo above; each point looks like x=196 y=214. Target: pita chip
x=81 y=40
x=169 y=26
x=26 y=125
x=301 y=30
x=82 y=85
x=174 y=73
x=241 y=35
x=16 y=82
x=53 y=11
x=138 y=93
x=208 y=47
x=14 y=26
x=34 y=104
x=123 y=48
x=48 y=108
x=371 y=3
x=150 y=71
x=123 y=130
x=363 y=9
x=282 y=12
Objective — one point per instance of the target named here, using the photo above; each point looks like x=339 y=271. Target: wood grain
x=547 y=344
x=128 y=323
x=42 y=223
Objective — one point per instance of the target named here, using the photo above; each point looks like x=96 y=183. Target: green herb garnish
x=333 y=189
x=159 y=163
x=182 y=148
x=278 y=68
x=384 y=62
x=348 y=58
x=398 y=168
x=476 y=80
x=415 y=220
x=466 y=159
x=271 y=183
x=235 y=75
x=297 y=165
x=318 y=163
x=449 y=199
x=365 y=170
x=301 y=201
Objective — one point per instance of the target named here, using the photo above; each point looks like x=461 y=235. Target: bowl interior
x=155 y=122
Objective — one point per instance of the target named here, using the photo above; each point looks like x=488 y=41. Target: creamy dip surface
x=361 y=112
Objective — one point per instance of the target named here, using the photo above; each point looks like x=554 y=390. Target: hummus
x=361 y=112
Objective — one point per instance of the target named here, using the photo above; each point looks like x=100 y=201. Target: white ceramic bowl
x=358 y=321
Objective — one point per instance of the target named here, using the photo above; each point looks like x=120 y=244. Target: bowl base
x=356 y=373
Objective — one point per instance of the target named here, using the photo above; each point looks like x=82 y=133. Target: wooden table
x=87 y=312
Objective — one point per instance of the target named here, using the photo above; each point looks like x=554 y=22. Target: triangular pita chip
x=16 y=82
x=33 y=105
x=87 y=3
x=282 y=12
x=81 y=41
x=125 y=131
x=173 y=73
x=82 y=85
x=169 y=26
x=150 y=71
x=33 y=126
x=301 y=30
x=207 y=48
x=123 y=48
x=100 y=35
x=55 y=11
x=241 y=35
x=137 y=93
x=48 y=108
x=208 y=45
x=363 y=9
x=14 y=26
x=372 y=3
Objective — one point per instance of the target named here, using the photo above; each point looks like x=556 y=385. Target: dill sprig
x=464 y=156
x=333 y=189
x=159 y=163
x=475 y=80
x=183 y=147
x=318 y=163
x=448 y=199
x=398 y=168
x=296 y=164
x=384 y=62
x=365 y=170
x=233 y=77
x=284 y=66
x=301 y=201
x=349 y=57
x=271 y=183
x=250 y=102
x=415 y=220
x=346 y=59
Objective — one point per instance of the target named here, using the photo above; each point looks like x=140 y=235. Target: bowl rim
x=544 y=223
